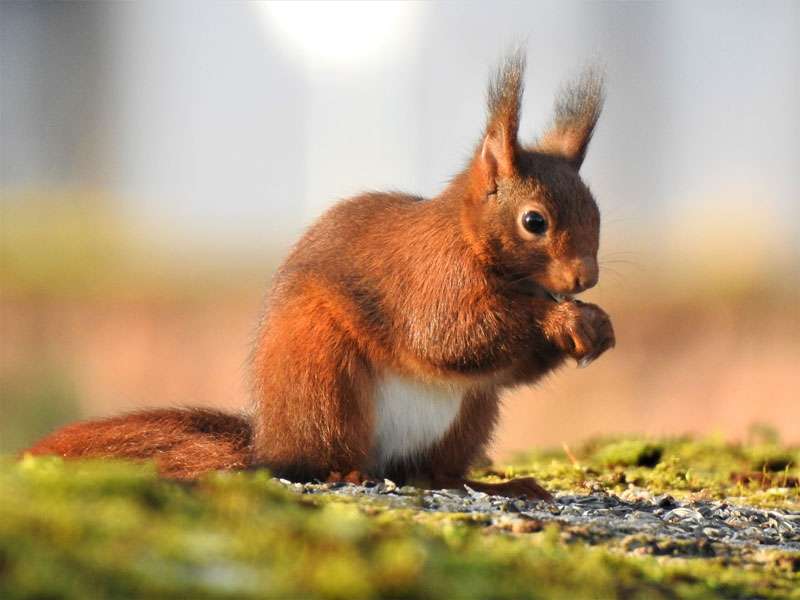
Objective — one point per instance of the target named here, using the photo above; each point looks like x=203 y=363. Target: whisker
x=613 y=272
x=622 y=263
x=615 y=220
x=619 y=253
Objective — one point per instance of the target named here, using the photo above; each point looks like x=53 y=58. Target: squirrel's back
x=389 y=262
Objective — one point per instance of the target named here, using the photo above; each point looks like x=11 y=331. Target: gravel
x=637 y=520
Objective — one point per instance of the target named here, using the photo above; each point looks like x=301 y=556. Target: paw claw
x=354 y=477
x=586 y=332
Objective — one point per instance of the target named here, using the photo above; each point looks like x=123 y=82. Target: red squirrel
x=396 y=321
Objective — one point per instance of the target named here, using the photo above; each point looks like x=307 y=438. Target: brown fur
x=183 y=442
x=451 y=289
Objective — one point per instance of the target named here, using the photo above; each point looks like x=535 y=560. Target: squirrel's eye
x=534 y=222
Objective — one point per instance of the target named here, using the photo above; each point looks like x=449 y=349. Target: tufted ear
x=577 y=109
x=496 y=157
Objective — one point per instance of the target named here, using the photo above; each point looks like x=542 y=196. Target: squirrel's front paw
x=583 y=331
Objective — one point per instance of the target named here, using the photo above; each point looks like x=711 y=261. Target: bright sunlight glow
x=348 y=33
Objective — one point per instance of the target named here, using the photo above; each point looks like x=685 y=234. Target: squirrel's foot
x=582 y=330
x=354 y=476
x=514 y=488
x=521 y=486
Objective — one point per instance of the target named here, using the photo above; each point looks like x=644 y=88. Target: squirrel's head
x=528 y=211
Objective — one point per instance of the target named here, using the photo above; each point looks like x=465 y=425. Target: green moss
x=765 y=474
x=113 y=530
x=630 y=453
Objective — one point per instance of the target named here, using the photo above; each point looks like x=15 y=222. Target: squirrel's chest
x=411 y=416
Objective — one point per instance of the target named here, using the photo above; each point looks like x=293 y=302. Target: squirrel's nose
x=584 y=274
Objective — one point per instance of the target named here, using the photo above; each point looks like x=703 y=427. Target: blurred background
x=159 y=158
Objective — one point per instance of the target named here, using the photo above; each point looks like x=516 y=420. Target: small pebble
x=598 y=517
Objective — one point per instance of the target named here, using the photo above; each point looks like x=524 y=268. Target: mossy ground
x=105 y=529
x=763 y=473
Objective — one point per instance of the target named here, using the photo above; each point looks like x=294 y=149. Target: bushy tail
x=184 y=443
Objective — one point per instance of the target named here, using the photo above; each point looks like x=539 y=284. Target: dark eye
x=534 y=222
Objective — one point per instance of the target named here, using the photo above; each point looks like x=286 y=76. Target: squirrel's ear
x=496 y=157
x=577 y=109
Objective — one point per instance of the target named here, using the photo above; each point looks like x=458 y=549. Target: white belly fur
x=410 y=416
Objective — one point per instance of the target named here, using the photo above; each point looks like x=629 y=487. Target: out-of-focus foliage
x=33 y=404
x=106 y=529
x=79 y=245
x=62 y=244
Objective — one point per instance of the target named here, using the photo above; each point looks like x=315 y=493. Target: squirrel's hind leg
x=314 y=416
x=465 y=444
